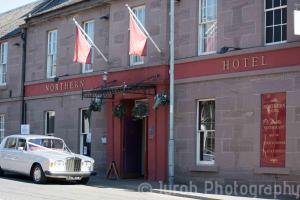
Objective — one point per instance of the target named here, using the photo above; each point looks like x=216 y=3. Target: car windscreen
x=44 y=144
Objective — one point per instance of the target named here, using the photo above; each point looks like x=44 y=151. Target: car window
x=10 y=143
x=22 y=143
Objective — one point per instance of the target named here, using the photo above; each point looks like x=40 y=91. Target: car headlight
x=87 y=166
x=57 y=165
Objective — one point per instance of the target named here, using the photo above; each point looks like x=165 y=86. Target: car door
x=9 y=154
x=22 y=158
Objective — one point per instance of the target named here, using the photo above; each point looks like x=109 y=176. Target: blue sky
x=11 y=4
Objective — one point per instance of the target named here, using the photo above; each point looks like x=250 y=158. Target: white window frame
x=198 y=132
x=265 y=27
x=2 y=127
x=3 y=62
x=89 y=26
x=46 y=121
x=81 y=133
x=52 y=53
x=201 y=24
x=138 y=60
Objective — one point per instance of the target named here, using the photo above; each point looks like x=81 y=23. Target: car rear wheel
x=84 y=181
x=38 y=175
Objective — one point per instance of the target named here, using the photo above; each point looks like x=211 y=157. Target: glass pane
x=269 y=34
x=5 y=49
x=269 y=18
x=284 y=34
x=277 y=16
x=203 y=11
x=283 y=2
x=276 y=3
x=269 y=4
x=207 y=115
x=50 y=122
x=284 y=15
x=277 y=33
x=207 y=145
x=85 y=122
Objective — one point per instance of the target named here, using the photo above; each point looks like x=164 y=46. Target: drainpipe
x=171 y=123
x=23 y=111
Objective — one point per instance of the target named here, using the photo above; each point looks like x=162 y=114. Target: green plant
x=140 y=110
x=95 y=106
x=119 y=111
x=160 y=99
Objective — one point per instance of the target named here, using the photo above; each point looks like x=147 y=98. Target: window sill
x=87 y=72
x=205 y=168
x=270 y=170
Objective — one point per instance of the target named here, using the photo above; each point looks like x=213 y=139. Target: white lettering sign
x=25 y=129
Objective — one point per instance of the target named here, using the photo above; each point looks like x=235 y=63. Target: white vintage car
x=43 y=157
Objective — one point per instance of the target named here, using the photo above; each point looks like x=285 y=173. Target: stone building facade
x=236 y=81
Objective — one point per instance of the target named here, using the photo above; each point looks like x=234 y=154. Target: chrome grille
x=73 y=165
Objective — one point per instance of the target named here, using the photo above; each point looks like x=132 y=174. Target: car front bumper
x=54 y=174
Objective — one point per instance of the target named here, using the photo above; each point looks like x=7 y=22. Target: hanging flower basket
x=119 y=111
x=160 y=99
x=140 y=110
x=95 y=106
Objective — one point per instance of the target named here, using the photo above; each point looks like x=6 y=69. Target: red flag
x=82 y=53
x=138 y=40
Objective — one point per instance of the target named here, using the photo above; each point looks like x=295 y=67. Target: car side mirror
x=21 y=148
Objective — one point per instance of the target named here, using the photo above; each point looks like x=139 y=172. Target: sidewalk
x=141 y=185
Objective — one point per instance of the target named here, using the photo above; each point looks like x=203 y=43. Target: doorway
x=134 y=147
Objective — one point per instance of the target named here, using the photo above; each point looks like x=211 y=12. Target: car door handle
x=14 y=158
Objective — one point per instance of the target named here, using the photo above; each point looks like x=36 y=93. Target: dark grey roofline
x=58 y=9
x=12 y=34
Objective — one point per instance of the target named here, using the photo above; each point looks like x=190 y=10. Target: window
x=276 y=21
x=140 y=14
x=207 y=26
x=85 y=135
x=205 y=132
x=21 y=144
x=11 y=143
x=49 y=122
x=3 y=63
x=52 y=54
x=89 y=29
x=2 y=121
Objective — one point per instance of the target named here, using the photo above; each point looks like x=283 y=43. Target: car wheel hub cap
x=37 y=174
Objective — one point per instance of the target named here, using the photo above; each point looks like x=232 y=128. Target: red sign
x=63 y=86
x=238 y=63
x=273 y=123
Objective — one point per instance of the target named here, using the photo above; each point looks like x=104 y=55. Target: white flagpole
x=90 y=40
x=144 y=29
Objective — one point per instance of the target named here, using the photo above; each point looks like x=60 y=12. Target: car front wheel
x=1 y=172
x=38 y=175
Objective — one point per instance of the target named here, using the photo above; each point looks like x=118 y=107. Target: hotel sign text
x=65 y=86
x=245 y=63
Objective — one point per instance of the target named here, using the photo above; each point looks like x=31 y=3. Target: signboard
x=273 y=129
x=25 y=129
x=89 y=138
x=296 y=22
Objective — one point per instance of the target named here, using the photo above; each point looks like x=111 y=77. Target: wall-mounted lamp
x=106 y=17
x=56 y=78
x=17 y=44
x=226 y=49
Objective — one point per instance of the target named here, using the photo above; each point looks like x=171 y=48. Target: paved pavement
x=14 y=187
x=21 y=188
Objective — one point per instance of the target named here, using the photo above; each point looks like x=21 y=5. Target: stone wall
x=238 y=111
